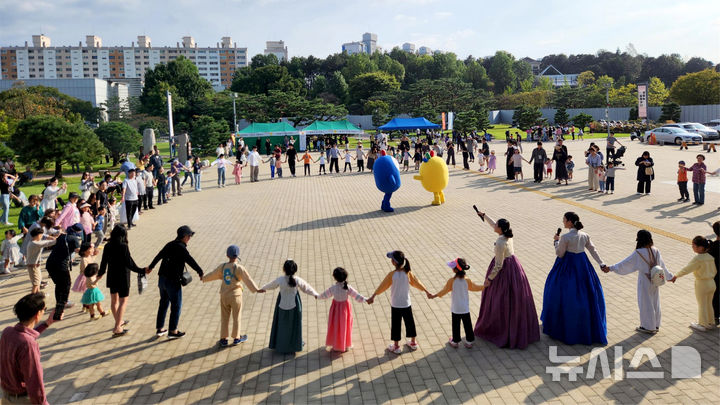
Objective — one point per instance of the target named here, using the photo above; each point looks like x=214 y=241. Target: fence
x=689 y=113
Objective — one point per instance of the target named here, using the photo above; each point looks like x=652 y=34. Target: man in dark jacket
x=174 y=256
x=58 y=267
x=537 y=159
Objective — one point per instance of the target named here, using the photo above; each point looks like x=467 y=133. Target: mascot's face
x=387 y=174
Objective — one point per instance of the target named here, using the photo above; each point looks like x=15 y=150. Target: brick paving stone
x=334 y=220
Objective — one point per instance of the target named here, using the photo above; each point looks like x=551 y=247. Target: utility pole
x=171 y=132
x=235 y=124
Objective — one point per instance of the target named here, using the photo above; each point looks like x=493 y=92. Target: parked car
x=708 y=134
x=672 y=135
x=713 y=124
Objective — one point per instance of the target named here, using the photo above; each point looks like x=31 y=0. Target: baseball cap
x=184 y=231
x=233 y=251
x=682 y=162
x=390 y=254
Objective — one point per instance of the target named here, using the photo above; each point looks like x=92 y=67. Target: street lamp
x=607 y=105
x=235 y=113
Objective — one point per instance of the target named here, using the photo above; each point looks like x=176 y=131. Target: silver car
x=696 y=128
x=672 y=135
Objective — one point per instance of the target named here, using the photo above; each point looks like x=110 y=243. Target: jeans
x=6 y=208
x=347 y=164
x=610 y=184
x=307 y=169
x=291 y=165
x=149 y=193
x=610 y=154
x=188 y=175
x=538 y=171
x=197 y=181
x=170 y=296
x=272 y=172
x=334 y=163
x=175 y=184
x=699 y=192
x=221 y=176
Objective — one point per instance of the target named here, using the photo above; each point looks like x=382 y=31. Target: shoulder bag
x=657 y=273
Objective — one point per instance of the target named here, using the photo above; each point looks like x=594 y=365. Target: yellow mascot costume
x=434 y=178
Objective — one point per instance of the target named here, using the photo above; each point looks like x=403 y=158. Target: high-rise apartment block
x=424 y=50
x=368 y=45
x=353 y=47
x=408 y=47
x=278 y=49
x=93 y=60
x=370 y=42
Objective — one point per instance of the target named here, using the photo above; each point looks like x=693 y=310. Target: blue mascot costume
x=387 y=178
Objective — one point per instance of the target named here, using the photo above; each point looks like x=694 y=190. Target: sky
x=319 y=27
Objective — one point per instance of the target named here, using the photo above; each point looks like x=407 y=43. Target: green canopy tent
x=275 y=131
x=332 y=127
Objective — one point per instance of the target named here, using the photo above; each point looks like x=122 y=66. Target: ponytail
x=574 y=219
x=400 y=261
x=461 y=266
x=504 y=226
x=290 y=268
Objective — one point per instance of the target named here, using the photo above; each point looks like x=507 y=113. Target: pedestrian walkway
x=335 y=220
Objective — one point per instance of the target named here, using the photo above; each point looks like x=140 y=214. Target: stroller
x=618 y=154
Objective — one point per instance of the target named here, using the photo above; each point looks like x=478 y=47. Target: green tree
x=501 y=72
x=623 y=96
x=380 y=111
x=366 y=85
x=476 y=75
x=263 y=79
x=358 y=64
x=119 y=138
x=523 y=73
x=182 y=79
x=561 y=116
x=586 y=78
x=657 y=92
x=582 y=120
x=526 y=117
x=697 y=88
x=206 y=133
x=22 y=102
x=338 y=86
x=670 y=112
x=47 y=139
x=261 y=60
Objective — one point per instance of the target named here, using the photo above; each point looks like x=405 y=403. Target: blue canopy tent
x=400 y=124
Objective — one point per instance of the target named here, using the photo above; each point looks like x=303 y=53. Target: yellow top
x=449 y=285
x=702 y=265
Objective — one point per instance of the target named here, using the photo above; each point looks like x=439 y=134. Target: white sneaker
x=698 y=327
x=394 y=349
x=413 y=345
x=5 y=271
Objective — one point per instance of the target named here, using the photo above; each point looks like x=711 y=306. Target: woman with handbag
x=652 y=273
x=645 y=174
x=172 y=277
x=118 y=264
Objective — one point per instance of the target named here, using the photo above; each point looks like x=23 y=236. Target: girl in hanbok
x=573 y=302
x=51 y=193
x=286 y=332
x=340 y=320
x=642 y=260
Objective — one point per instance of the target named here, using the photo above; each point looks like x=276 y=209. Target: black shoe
x=681 y=199
x=176 y=335
x=695 y=203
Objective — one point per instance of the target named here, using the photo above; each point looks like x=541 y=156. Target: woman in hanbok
x=573 y=301
x=508 y=317
x=51 y=193
x=642 y=260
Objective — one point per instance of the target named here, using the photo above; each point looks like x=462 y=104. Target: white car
x=708 y=134
x=713 y=124
x=672 y=135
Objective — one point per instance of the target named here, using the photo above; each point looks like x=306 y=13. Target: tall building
x=408 y=47
x=424 y=50
x=278 y=49
x=353 y=47
x=93 y=60
x=370 y=42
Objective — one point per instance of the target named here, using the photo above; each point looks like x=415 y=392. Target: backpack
x=657 y=273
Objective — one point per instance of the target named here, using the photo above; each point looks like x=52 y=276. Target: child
x=348 y=163
x=321 y=159
x=610 y=177
x=682 y=182
x=272 y=162
x=399 y=281
x=112 y=214
x=601 y=179
x=99 y=229
x=548 y=168
x=570 y=165
x=278 y=166
x=482 y=166
x=491 y=162
x=703 y=267
x=87 y=222
x=10 y=250
x=460 y=302
x=34 y=251
x=340 y=320
x=286 y=332
x=307 y=159
x=237 y=171
x=517 y=160
x=86 y=258
x=406 y=160
x=233 y=274
x=417 y=159
x=92 y=297
x=698 y=180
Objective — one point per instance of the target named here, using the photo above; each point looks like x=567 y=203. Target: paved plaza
x=335 y=220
